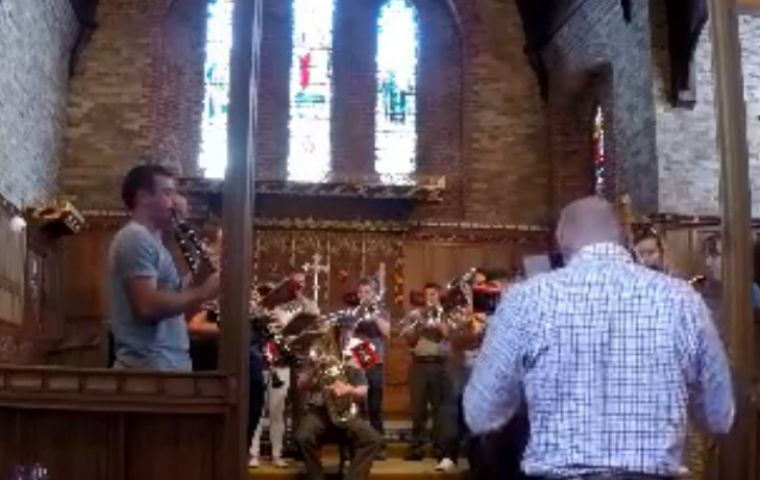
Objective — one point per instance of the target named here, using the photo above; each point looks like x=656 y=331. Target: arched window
x=311 y=90
x=396 y=108
x=599 y=155
x=213 y=151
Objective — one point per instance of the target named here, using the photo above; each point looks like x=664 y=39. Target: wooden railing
x=114 y=425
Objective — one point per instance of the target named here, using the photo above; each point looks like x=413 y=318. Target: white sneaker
x=280 y=463
x=445 y=465
x=253 y=462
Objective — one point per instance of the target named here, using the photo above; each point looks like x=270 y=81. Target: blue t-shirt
x=162 y=344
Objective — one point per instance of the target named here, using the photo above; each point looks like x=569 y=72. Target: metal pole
x=737 y=452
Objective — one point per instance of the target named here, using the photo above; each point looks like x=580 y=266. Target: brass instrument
x=329 y=368
x=282 y=297
x=458 y=301
x=423 y=319
x=366 y=312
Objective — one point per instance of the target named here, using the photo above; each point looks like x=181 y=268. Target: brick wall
x=505 y=167
x=598 y=58
x=689 y=167
x=137 y=91
x=35 y=41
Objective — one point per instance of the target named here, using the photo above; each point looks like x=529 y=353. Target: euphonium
x=330 y=368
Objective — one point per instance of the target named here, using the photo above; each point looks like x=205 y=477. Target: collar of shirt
x=606 y=251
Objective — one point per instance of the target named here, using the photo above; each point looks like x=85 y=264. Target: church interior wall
x=35 y=41
x=137 y=92
x=689 y=166
x=506 y=166
x=600 y=58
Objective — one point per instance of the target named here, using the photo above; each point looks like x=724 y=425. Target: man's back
x=606 y=354
x=156 y=344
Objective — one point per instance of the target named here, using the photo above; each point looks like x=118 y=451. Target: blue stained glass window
x=395 y=117
x=599 y=155
x=213 y=152
x=310 y=90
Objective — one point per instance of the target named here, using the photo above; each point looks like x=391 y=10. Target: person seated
x=365 y=441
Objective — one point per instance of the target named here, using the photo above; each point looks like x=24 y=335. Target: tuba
x=330 y=367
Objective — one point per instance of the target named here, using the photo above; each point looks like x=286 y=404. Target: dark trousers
x=316 y=425
x=454 y=427
x=497 y=455
x=256 y=389
x=375 y=397
x=429 y=386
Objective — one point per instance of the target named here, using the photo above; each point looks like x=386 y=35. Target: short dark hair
x=141 y=178
x=432 y=285
x=646 y=233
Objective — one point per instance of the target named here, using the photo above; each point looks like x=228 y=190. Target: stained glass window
x=310 y=90
x=599 y=155
x=395 y=118
x=213 y=153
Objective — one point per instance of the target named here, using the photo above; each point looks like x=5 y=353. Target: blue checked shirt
x=607 y=355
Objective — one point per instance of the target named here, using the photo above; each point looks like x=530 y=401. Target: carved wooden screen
x=350 y=256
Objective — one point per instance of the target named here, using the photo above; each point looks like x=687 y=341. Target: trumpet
x=428 y=318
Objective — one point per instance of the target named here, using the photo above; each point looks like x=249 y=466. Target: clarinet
x=194 y=252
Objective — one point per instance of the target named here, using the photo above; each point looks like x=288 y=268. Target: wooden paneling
x=12 y=255
x=160 y=447
x=113 y=425
x=84 y=258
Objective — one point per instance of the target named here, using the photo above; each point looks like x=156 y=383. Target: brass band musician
x=373 y=324
x=425 y=332
x=346 y=383
x=278 y=373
